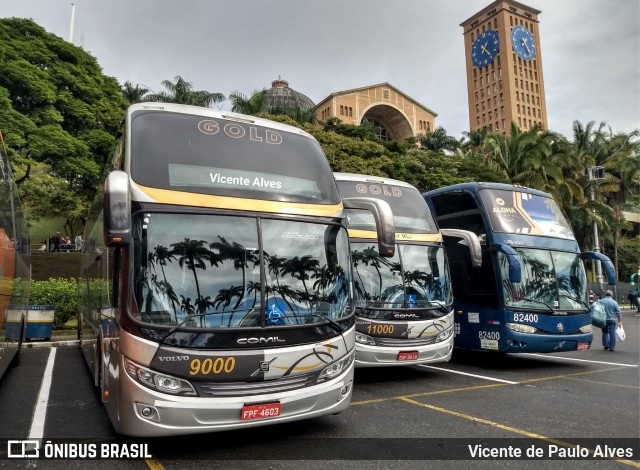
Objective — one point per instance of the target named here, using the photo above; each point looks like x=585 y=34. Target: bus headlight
x=364 y=339
x=337 y=367
x=444 y=335
x=521 y=328
x=586 y=329
x=160 y=382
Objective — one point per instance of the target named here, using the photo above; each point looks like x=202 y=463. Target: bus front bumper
x=538 y=343
x=168 y=415
x=378 y=356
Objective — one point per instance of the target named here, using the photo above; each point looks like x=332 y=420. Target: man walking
x=614 y=318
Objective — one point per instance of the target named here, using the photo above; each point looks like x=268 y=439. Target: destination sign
x=212 y=177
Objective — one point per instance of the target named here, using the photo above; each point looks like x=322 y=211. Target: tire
x=16 y=359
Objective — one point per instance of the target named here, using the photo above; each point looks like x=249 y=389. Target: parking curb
x=50 y=344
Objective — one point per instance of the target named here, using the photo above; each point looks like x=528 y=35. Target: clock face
x=485 y=48
x=523 y=43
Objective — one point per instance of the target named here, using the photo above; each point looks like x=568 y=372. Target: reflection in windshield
x=555 y=278
x=415 y=277
x=192 y=264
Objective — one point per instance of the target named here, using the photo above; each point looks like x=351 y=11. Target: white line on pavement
x=40 y=413
x=470 y=375
x=548 y=356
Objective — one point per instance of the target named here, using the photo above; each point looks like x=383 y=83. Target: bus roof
x=476 y=186
x=213 y=113
x=370 y=179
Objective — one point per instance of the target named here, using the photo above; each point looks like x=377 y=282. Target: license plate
x=408 y=356
x=266 y=411
x=582 y=346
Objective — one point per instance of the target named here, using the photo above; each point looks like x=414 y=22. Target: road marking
x=153 y=464
x=470 y=375
x=507 y=428
x=424 y=394
x=566 y=376
x=40 y=413
x=603 y=383
x=578 y=360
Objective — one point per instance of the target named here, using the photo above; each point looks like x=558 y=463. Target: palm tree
x=369 y=256
x=274 y=265
x=225 y=296
x=439 y=141
x=192 y=254
x=239 y=255
x=182 y=92
x=255 y=288
x=251 y=105
x=134 y=94
x=162 y=254
x=300 y=268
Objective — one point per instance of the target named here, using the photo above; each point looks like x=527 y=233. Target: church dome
x=280 y=97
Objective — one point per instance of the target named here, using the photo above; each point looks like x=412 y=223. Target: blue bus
x=15 y=270
x=530 y=292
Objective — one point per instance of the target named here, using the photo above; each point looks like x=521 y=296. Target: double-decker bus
x=216 y=288
x=404 y=303
x=530 y=292
x=15 y=267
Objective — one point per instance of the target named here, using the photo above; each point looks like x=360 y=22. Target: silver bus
x=216 y=289
x=404 y=304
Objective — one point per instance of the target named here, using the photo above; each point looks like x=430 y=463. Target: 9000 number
x=217 y=365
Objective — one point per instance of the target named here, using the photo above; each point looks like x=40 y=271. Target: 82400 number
x=528 y=317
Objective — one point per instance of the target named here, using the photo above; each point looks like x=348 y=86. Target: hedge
x=61 y=293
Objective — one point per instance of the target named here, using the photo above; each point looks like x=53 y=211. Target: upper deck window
x=200 y=154
x=524 y=213
x=410 y=212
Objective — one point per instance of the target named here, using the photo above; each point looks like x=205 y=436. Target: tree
x=247 y=105
x=182 y=92
x=134 y=94
x=58 y=113
x=439 y=141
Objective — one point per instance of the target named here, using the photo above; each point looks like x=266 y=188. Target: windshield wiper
x=439 y=305
x=196 y=315
x=539 y=302
x=336 y=326
x=575 y=298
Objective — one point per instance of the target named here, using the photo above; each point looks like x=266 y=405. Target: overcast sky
x=590 y=49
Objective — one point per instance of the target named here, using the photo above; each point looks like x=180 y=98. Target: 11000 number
x=380 y=329
x=210 y=365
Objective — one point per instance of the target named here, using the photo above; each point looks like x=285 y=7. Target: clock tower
x=504 y=68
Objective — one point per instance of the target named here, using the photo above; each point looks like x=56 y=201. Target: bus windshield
x=416 y=277
x=196 y=154
x=189 y=264
x=524 y=213
x=550 y=280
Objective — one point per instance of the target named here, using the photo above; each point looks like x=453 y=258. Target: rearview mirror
x=117 y=209
x=383 y=216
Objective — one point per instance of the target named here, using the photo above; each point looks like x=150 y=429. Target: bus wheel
x=97 y=363
x=16 y=359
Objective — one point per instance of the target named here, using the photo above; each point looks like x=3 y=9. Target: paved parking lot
x=478 y=407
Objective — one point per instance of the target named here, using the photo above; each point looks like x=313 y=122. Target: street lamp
x=595 y=175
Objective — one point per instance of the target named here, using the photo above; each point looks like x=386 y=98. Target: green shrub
x=61 y=293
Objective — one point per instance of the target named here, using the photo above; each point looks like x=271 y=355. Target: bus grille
x=243 y=389
x=404 y=343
